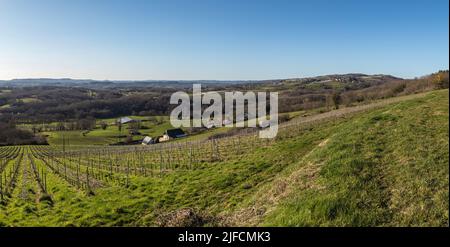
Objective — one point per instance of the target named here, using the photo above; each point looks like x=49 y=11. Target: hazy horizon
x=262 y=79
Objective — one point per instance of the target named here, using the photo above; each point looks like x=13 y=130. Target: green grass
x=76 y=138
x=387 y=166
x=110 y=135
x=5 y=106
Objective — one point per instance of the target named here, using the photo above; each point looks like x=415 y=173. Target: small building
x=174 y=133
x=227 y=122
x=163 y=138
x=264 y=124
x=147 y=140
x=125 y=120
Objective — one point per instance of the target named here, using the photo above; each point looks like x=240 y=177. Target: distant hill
x=344 y=77
x=63 y=99
x=88 y=83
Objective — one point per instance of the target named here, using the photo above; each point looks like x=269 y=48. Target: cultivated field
x=384 y=163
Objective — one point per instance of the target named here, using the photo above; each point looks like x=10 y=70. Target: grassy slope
x=383 y=167
x=389 y=167
x=111 y=135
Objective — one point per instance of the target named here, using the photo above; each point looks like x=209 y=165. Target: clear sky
x=221 y=39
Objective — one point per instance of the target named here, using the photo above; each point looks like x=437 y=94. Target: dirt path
x=268 y=197
x=302 y=175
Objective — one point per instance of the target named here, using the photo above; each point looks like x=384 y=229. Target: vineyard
x=92 y=167
x=42 y=179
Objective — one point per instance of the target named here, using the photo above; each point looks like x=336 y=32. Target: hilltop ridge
x=69 y=82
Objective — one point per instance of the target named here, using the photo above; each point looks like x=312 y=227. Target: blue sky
x=196 y=39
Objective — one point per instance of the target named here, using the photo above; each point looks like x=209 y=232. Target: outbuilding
x=125 y=120
x=147 y=140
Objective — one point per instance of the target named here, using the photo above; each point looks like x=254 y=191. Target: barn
x=175 y=133
x=125 y=120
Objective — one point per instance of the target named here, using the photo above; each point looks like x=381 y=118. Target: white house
x=125 y=120
x=163 y=138
x=147 y=140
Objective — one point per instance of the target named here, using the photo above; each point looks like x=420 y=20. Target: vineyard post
x=216 y=141
x=239 y=145
x=134 y=157
x=64 y=157
x=135 y=162
x=117 y=162
x=179 y=155
x=42 y=180
x=128 y=171
x=78 y=171
x=110 y=168
x=140 y=163
x=5 y=178
x=190 y=157
x=1 y=188
x=169 y=163
x=98 y=160
x=212 y=149
x=45 y=181
x=160 y=161
x=87 y=179
x=11 y=173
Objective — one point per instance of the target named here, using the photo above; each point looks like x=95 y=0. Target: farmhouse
x=163 y=138
x=125 y=120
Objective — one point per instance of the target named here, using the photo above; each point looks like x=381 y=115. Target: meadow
x=384 y=164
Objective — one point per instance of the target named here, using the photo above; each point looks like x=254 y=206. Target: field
x=384 y=164
x=110 y=135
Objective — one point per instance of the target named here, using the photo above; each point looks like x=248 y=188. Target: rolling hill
x=381 y=165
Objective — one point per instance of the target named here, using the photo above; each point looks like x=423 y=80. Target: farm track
x=26 y=180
